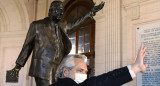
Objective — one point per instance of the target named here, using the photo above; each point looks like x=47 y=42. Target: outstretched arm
x=72 y=27
x=119 y=76
x=97 y=8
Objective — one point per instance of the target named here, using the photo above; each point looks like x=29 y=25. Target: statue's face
x=56 y=12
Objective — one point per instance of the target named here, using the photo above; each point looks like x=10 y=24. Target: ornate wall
x=115 y=32
x=134 y=13
x=108 y=37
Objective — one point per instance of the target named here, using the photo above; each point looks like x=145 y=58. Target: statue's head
x=56 y=11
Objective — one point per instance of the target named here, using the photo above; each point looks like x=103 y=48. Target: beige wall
x=136 y=12
x=115 y=32
x=15 y=16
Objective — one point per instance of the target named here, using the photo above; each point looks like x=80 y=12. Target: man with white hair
x=73 y=72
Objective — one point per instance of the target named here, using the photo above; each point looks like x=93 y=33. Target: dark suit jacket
x=114 y=78
x=43 y=56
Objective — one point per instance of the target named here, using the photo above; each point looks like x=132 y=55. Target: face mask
x=79 y=78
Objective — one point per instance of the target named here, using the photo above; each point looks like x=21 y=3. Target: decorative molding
x=21 y=13
x=109 y=29
x=13 y=34
x=127 y=3
x=113 y=26
x=10 y=11
x=4 y=23
x=134 y=10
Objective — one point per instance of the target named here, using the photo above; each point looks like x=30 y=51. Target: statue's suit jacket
x=43 y=60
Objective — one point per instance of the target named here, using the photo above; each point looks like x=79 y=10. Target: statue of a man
x=49 y=44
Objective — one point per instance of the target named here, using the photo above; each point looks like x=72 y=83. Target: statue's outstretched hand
x=12 y=75
x=97 y=8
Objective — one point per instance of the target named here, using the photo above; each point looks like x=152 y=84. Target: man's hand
x=97 y=8
x=139 y=66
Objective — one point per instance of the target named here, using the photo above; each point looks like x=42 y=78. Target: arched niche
x=4 y=21
x=13 y=15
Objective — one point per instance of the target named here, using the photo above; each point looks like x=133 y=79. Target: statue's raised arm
x=72 y=27
x=97 y=8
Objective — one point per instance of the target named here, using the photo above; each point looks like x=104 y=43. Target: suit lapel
x=49 y=33
x=66 y=42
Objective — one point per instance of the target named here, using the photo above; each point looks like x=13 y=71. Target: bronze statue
x=49 y=44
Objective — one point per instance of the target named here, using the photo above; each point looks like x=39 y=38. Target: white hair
x=68 y=63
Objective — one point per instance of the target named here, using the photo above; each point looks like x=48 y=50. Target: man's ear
x=65 y=72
